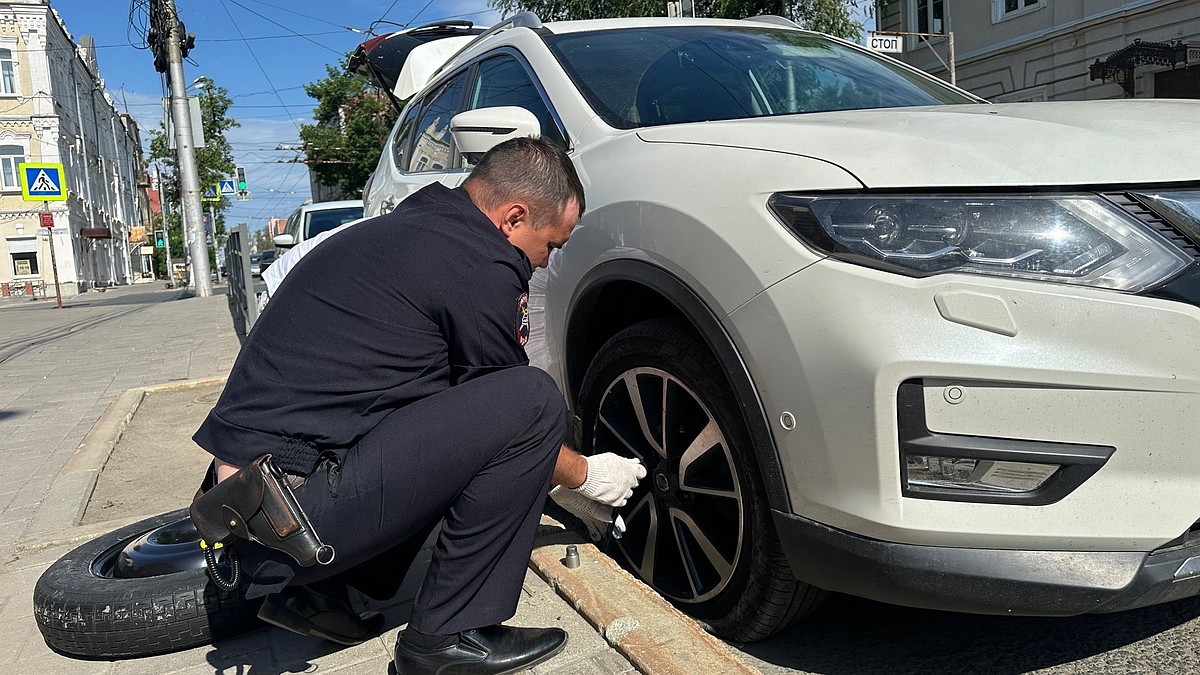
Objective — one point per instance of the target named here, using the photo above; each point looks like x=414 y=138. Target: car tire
x=719 y=559
x=84 y=610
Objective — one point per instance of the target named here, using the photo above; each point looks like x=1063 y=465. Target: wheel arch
x=620 y=293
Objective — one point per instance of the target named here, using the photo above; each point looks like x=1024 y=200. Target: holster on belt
x=257 y=503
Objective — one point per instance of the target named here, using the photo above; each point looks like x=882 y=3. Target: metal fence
x=242 y=301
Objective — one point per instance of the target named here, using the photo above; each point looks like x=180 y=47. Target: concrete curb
x=72 y=487
x=636 y=621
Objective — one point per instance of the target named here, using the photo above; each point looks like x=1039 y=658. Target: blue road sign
x=42 y=182
x=210 y=194
x=227 y=187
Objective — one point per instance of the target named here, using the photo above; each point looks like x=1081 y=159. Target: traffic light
x=241 y=179
x=160 y=238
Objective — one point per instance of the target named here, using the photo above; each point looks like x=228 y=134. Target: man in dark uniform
x=389 y=371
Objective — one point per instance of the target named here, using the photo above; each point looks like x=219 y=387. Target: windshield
x=646 y=76
x=328 y=219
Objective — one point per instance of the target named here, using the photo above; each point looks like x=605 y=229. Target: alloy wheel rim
x=684 y=523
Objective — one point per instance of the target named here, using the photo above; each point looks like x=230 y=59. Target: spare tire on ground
x=138 y=591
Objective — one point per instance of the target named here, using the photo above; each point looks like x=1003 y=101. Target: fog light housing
x=984 y=469
x=932 y=471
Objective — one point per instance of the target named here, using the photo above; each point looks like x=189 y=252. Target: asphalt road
x=849 y=635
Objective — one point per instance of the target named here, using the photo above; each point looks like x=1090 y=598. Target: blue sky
x=263 y=52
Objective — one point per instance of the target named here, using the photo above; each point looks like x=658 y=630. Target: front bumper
x=987 y=581
x=829 y=347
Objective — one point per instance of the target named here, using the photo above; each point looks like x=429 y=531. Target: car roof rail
x=774 y=20
x=519 y=20
x=525 y=20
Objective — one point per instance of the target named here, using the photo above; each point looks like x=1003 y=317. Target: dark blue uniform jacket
x=387 y=312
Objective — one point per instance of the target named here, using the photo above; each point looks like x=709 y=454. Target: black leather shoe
x=303 y=610
x=491 y=650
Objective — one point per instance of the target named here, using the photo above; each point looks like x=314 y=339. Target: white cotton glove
x=595 y=516
x=611 y=479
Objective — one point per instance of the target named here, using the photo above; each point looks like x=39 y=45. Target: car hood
x=1069 y=143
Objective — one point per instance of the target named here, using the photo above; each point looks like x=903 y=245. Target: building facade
x=54 y=109
x=1045 y=50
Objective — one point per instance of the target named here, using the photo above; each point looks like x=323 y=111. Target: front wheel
x=698 y=528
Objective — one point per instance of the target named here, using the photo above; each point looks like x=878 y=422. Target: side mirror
x=284 y=240
x=477 y=131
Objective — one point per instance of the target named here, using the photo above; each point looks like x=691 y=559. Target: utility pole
x=212 y=220
x=169 y=30
x=166 y=214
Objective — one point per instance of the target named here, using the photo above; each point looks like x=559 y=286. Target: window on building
x=11 y=157
x=8 y=79
x=929 y=16
x=1002 y=9
x=23 y=254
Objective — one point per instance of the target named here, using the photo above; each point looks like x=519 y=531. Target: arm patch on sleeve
x=523 y=319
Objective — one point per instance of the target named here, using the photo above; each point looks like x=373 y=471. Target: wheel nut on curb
x=571 y=561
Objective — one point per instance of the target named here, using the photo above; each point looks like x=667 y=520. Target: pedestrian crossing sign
x=227 y=188
x=211 y=193
x=42 y=182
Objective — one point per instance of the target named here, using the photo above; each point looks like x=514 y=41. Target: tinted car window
x=328 y=219
x=646 y=76
x=433 y=149
x=503 y=81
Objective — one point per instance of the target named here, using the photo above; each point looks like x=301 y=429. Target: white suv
x=869 y=333
x=310 y=220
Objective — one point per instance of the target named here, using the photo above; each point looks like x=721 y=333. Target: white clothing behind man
x=274 y=274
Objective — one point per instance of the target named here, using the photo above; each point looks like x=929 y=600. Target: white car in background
x=868 y=332
x=310 y=220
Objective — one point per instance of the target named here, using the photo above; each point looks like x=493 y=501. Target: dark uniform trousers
x=478 y=457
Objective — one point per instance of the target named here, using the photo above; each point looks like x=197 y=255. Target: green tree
x=835 y=17
x=214 y=161
x=352 y=121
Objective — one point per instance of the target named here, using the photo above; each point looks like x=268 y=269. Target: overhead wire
x=254 y=57
x=383 y=16
x=272 y=21
x=307 y=16
x=419 y=13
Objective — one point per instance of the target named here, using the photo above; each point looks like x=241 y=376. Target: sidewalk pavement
x=101 y=356
x=61 y=369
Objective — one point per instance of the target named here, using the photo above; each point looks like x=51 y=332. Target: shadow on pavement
x=274 y=651
x=851 y=635
x=245 y=654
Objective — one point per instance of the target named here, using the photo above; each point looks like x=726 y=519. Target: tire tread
x=83 y=615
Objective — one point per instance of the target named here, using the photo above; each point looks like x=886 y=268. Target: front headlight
x=1076 y=239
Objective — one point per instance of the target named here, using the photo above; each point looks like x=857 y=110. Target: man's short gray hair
x=527 y=169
